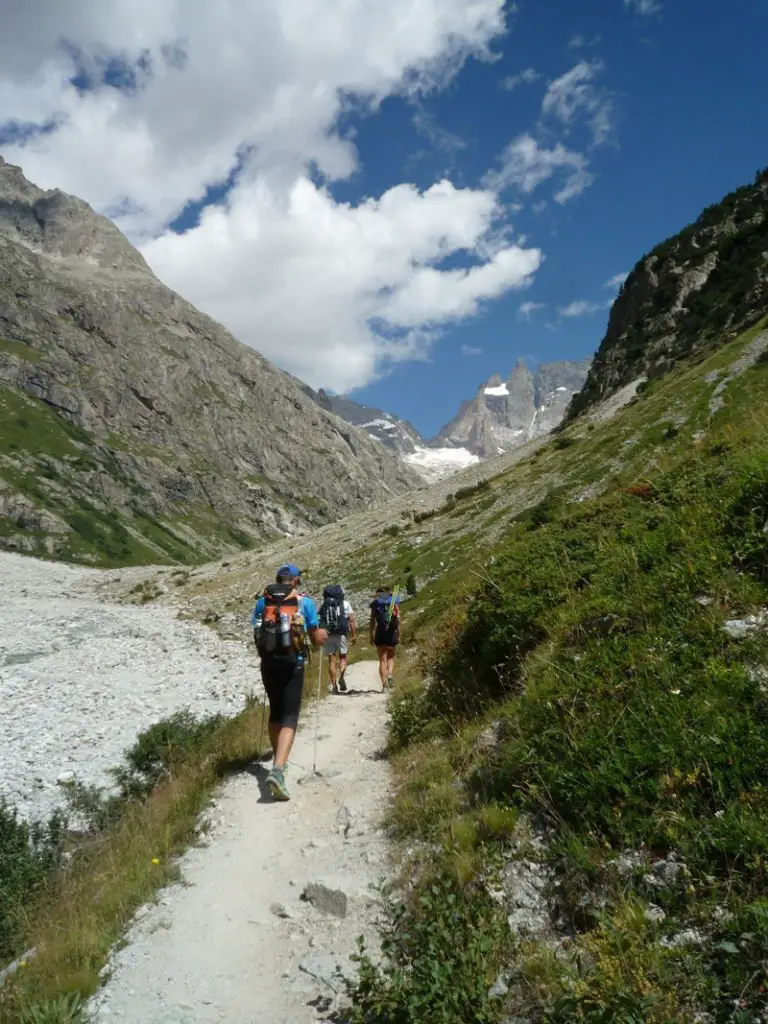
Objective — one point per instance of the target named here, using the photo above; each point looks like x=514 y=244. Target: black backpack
x=332 y=616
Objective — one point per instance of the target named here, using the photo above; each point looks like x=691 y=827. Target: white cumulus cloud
x=643 y=7
x=527 y=308
x=471 y=350
x=329 y=290
x=526 y=164
x=616 y=281
x=528 y=76
x=581 y=308
x=575 y=94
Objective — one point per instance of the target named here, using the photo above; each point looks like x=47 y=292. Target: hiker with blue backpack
x=284 y=622
x=338 y=620
x=385 y=632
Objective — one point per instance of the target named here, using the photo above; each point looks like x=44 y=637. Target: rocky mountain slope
x=133 y=427
x=506 y=413
x=398 y=435
x=695 y=290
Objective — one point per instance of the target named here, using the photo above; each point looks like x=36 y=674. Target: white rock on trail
x=80 y=678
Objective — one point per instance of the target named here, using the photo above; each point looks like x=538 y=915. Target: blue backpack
x=386 y=615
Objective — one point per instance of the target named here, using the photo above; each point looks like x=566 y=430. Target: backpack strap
x=279 y=593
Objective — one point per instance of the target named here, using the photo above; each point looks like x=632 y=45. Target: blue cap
x=288 y=570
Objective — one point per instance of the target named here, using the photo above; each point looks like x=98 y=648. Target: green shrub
x=62 y=1010
x=409 y=717
x=472 y=489
x=410 y=585
x=91 y=806
x=563 y=441
x=162 y=749
x=442 y=955
x=28 y=855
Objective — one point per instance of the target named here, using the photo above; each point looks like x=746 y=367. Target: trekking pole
x=263 y=717
x=317 y=711
x=392 y=603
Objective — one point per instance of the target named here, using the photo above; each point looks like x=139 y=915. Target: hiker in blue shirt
x=282 y=620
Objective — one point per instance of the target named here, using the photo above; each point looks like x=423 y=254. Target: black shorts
x=386 y=638
x=283 y=680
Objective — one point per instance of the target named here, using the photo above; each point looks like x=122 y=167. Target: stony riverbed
x=80 y=678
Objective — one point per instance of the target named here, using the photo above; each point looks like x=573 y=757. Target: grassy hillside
x=589 y=703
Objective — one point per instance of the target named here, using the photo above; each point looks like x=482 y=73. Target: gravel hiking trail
x=269 y=907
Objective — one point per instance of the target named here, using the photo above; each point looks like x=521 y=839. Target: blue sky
x=367 y=193
x=690 y=90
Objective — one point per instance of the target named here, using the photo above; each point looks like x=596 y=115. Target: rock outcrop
x=691 y=293
x=135 y=428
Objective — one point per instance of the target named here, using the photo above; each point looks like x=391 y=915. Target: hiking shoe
x=276 y=784
x=342 y=684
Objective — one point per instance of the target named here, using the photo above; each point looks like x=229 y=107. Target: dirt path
x=235 y=941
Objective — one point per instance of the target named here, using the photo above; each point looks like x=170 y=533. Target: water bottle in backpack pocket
x=281 y=629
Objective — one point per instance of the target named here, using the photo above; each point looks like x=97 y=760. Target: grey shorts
x=335 y=644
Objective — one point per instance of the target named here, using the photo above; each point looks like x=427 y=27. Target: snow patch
x=434 y=464
x=497 y=392
x=381 y=424
x=561 y=389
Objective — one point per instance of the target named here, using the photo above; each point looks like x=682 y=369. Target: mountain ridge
x=134 y=427
x=534 y=404
x=702 y=285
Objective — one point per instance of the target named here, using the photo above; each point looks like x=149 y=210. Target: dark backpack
x=386 y=615
x=281 y=630
x=332 y=616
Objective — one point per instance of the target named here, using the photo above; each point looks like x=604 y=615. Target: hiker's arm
x=318 y=636
x=372 y=627
x=352 y=628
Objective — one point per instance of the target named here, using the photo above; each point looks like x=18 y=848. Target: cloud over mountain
x=148 y=106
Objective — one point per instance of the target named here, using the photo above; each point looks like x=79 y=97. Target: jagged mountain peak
x=507 y=413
